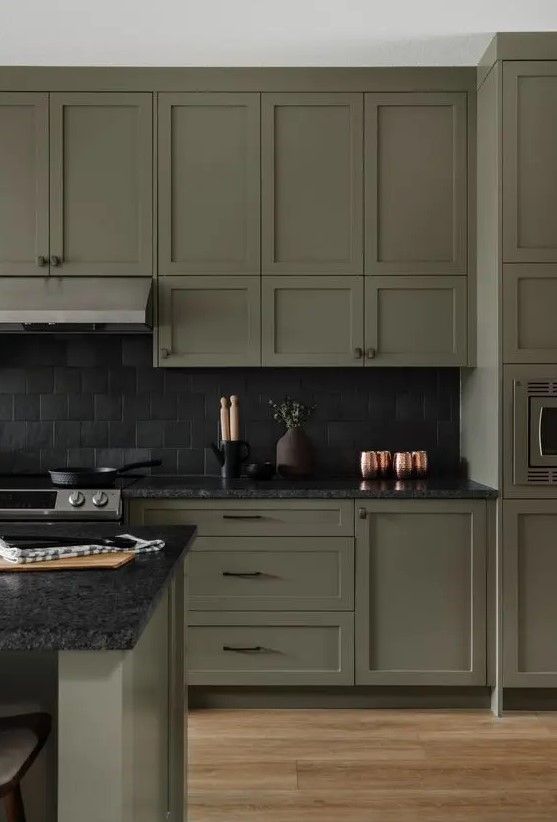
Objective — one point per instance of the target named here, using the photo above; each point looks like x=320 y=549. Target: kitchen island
x=102 y=651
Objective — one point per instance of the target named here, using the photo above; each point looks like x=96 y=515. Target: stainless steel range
x=36 y=498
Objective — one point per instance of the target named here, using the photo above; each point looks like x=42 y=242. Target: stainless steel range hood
x=75 y=304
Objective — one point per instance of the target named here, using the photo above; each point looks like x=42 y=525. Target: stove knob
x=76 y=499
x=100 y=499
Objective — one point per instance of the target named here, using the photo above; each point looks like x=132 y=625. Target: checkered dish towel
x=12 y=553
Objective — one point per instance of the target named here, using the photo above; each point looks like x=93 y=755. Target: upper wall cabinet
x=311 y=183
x=313 y=321
x=101 y=186
x=415 y=181
x=530 y=161
x=415 y=321
x=208 y=183
x=24 y=247
x=209 y=321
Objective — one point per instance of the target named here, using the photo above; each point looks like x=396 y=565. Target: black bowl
x=260 y=470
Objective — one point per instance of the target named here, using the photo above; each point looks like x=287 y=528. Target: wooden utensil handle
x=224 y=420
x=234 y=418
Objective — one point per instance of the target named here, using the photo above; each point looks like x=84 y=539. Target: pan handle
x=145 y=464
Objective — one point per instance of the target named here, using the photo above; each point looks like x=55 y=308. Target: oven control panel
x=90 y=503
x=60 y=504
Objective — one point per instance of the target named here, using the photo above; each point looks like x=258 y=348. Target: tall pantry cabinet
x=517 y=337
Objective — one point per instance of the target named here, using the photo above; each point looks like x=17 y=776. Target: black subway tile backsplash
x=98 y=400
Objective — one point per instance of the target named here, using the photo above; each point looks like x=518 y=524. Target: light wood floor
x=371 y=766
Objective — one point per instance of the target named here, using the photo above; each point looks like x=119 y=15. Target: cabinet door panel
x=529 y=304
x=311 y=183
x=530 y=162
x=530 y=604
x=415 y=321
x=101 y=182
x=312 y=320
x=416 y=167
x=209 y=321
x=421 y=593
x=23 y=183
x=208 y=184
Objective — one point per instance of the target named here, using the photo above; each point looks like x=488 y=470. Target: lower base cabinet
x=280 y=648
x=279 y=593
x=420 y=592
x=530 y=601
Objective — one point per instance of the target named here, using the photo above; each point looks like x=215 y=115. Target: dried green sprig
x=291 y=413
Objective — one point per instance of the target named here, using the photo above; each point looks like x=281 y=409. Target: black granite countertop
x=87 y=610
x=201 y=487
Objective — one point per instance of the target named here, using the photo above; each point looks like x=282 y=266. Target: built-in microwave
x=535 y=431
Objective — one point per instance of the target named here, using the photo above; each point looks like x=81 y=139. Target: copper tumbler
x=369 y=464
x=402 y=463
x=385 y=463
x=419 y=463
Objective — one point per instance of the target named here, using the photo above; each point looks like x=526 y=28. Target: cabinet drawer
x=271 y=574
x=251 y=518
x=233 y=648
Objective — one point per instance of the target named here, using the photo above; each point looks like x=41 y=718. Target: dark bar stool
x=21 y=739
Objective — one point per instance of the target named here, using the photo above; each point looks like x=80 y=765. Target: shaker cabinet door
x=101 y=183
x=415 y=183
x=530 y=162
x=208 y=183
x=213 y=321
x=312 y=321
x=421 y=593
x=415 y=321
x=311 y=183
x=529 y=307
x=23 y=184
x=529 y=601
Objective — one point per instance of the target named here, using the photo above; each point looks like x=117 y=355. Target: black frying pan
x=94 y=477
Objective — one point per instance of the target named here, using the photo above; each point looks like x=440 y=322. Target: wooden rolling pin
x=224 y=420
x=234 y=418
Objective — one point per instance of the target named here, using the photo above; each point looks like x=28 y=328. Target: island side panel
x=114 y=727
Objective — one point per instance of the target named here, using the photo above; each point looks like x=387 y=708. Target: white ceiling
x=261 y=32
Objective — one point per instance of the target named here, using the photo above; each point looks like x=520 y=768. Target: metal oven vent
x=542 y=476
x=544 y=388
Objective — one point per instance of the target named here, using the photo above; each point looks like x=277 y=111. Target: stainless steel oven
x=535 y=431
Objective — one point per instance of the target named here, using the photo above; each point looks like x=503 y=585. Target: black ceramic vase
x=294 y=454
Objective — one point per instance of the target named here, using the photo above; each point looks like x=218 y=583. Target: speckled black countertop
x=87 y=610
x=201 y=487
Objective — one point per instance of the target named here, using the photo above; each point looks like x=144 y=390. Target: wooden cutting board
x=89 y=563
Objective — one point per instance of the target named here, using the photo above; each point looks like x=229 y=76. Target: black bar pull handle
x=242 y=573
x=242 y=516
x=243 y=649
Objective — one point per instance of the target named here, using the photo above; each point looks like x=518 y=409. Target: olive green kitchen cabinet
x=271 y=574
x=281 y=648
x=529 y=161
x=529 y=304
x=311 y=183
x=210 y=321
x=312 y=320
x=101 y=183
x=529 y=601
x=420 y=614
x=208 y=183
x=24 y=241
x=415 y=320
x=416 y=183
x=76 y=175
